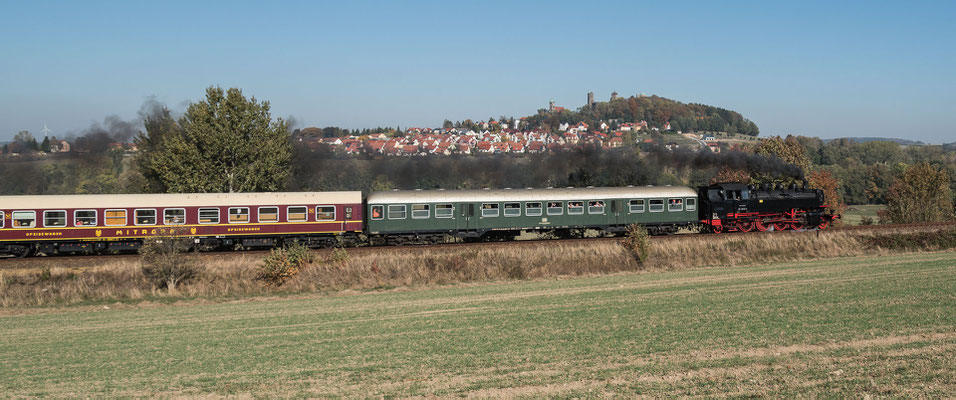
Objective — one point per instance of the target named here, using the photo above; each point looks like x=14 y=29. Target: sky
x=827 y=69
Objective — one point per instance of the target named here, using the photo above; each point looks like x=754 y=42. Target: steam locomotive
x=729 y=207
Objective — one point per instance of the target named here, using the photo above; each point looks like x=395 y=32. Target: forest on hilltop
x=656 y=111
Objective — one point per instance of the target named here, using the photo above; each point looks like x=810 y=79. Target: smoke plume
x=753 y=163
x=98 y=137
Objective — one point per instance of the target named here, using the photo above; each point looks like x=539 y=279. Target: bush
x=866 y=221
x=284 y=263
x=338 y=255
x=637 y=243
x=165 y=261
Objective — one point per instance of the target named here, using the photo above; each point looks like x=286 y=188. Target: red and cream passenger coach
x=94 y=223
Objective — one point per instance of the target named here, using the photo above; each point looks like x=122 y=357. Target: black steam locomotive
x=729 y=207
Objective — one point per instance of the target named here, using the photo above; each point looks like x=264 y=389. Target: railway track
x=80 y=262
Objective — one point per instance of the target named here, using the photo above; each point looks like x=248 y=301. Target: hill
x=657 y=111
x=905 y=142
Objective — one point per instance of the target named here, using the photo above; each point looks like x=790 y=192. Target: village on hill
x=499 y=138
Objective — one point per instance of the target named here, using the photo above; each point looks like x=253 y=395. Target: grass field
x=854 y=214
x=881 y=326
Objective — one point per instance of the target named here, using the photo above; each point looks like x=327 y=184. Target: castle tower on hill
x=590 y=99
x=613 y=96
x=551 y=105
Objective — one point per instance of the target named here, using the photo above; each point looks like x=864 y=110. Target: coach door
x=616 y=216
x=466 y=217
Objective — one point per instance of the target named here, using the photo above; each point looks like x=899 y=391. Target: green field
x=854 y=214
x=880 y=326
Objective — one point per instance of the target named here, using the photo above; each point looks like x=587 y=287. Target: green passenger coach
x=415 y=216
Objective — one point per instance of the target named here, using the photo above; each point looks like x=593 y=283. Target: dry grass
x=236 y=276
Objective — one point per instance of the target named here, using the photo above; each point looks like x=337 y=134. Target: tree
x=45 y=146
x=727 y=174
x=225 y=143
x=920 y=194
x=823 y=179
x=149 y=160
x=26 y=141
x=789 y=150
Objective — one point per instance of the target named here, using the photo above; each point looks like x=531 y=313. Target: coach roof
x=75 y=201
x=500 y=195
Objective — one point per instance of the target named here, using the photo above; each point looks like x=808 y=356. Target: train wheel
x=761 y=225
x=745 y=226
x=780 y=226
x=796 y=226
x=823 y=225
x=718 y=228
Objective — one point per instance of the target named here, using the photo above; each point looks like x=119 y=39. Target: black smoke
x=702 y=159
x=100 y=135
x=586 y=166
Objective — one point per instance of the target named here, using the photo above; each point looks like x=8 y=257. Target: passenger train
x=107 y=223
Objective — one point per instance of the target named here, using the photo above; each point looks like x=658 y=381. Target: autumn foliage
x=822 y=179
x=921 y=194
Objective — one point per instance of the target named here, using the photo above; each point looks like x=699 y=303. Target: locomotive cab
x=722 y=199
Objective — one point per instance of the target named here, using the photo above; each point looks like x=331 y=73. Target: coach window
x=596 y=207
x=115 y=217
x=489 y=209
x=691 y=204
x=297 y=214
x=24 y=219
x=657 y=205
x=268 y=214
x=1 y=219
x=420 y=211
x=174 y=216
x=444 y=211
x=396 y=211
x=512 y=209
x=238 y=215
x=675 y=205
x=532 y=209
x=555 y=208
x=378 y=212
x=145 y=217
x=325 y=213
x=84 y=218
x=208 y=215
x=575 y=207
x=54 y=218
x=636 y=206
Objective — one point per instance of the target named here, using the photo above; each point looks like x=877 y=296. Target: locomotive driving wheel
x=823 y=225
x=797 y=225
x=780 y=226
x=745 y=226
x=762 y=224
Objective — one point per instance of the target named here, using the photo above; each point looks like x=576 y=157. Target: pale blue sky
x=826 y=69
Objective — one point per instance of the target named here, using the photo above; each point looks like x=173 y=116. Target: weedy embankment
x=244 y=276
